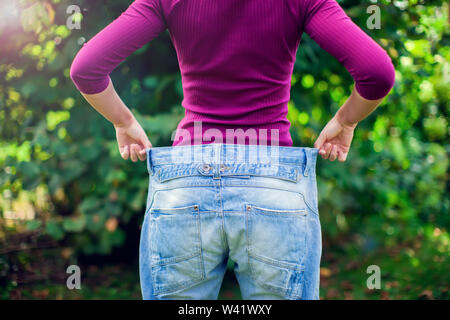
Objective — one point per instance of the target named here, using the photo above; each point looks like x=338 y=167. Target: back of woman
x=232 y=185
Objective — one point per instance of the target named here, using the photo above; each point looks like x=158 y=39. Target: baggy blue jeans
x=254 y=204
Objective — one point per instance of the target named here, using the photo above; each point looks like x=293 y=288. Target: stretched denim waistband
x=232 y=154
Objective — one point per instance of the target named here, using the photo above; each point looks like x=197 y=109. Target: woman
x=232 y=185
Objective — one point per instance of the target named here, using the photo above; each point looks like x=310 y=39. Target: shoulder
x=303 y=8
x=151 y=8
x=165 y=7
x=161 y=4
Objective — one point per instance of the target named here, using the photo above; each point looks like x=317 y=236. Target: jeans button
x=206 y=167
x=222 y=168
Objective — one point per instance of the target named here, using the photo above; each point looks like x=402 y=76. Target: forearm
x=109 y=104
x=355 y=109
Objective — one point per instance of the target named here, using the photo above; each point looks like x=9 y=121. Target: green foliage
x=60 y=157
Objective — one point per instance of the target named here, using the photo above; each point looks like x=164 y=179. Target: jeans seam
x=175 y=260
x=185 y=173
x=222 y=217
x=282 y=214
x=276 y=263
x=199 y=235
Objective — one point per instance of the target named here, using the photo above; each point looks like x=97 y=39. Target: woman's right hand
x=132 y=141
x=334 y=140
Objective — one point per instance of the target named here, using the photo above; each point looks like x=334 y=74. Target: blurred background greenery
x=67 y=197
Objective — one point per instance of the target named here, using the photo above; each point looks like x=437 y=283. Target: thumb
x=145 y=141
x=320 y=140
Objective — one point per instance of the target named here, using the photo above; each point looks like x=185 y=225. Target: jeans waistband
x=238 y=155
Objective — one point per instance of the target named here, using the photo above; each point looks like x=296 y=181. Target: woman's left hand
x=334 y=140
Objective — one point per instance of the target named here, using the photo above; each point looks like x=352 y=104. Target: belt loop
x=217 y=148
x=217 y=153
x=308 y=162
x=149 y=161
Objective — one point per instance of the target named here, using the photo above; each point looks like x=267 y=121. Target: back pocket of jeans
x=176 y=251
x=277 y=247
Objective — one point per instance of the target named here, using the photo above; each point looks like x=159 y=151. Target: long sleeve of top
x=369 y=65
x=135 y=27
x=236 y=57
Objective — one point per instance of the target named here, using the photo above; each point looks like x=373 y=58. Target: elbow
x=385 y=80
x=378 y=81
x=76 y=74
x=86 y=77
x=79 y=74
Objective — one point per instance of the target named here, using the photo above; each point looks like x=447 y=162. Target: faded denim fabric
x=254 y=204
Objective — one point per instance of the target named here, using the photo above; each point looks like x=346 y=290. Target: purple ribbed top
x=236 y=59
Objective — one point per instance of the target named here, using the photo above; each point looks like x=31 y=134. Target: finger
x=133 y=153
x=141 y=153
x=342 y=156
x=327 y=149
x=333 y=153
x=147 y=145
x=321 y=152
x=320 y=141
x=125 y=152
x=144 y=141
x=137 y=149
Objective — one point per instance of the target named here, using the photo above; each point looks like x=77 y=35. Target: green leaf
x=33 y=224
x=90 y=204
x=54 y=230
x=74 y=224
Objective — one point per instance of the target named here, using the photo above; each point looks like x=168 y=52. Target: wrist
x=125 y=122
x=344 y=122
